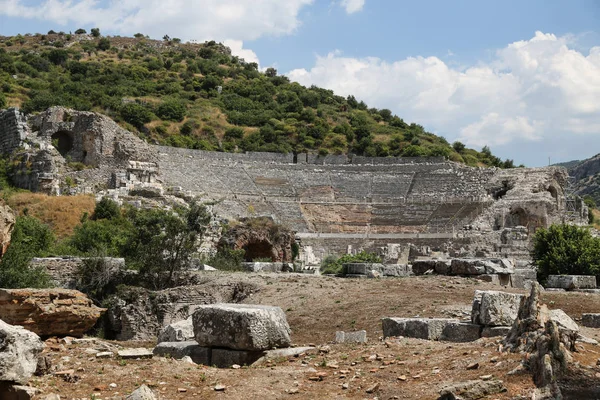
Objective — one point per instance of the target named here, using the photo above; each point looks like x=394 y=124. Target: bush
x=107 y=209
x=30 y=238
x=227 y=260
x=334 y=265
x=565 y=249
x=95 y=32
x=136 y=114
x=3 y=101
x=103 y=44
x=171 y=110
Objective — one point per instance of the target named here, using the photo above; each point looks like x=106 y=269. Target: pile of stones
x=375 y=270
x=224 y=335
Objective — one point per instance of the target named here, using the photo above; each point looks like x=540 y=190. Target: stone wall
x=13 y=130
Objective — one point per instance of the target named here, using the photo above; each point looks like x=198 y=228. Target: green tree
x=334 y=265
x=565 y=249
x=95 y=32
x=30 y=238
x=106 y=209
x=163 y=242
x=80 y=31
x=103 y=44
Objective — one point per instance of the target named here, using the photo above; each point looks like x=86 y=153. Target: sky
x=522 y=77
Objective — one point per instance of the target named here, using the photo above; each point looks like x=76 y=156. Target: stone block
x=590 y=320
x=263 y=266
x=493 y=331
x=466 y=266
x=351 y=337
x=419 y=328
x=224 y=358
x=461 y=332
x=563 y=321
x=495 y=308
x=420 y=267
x=142 y=393
x=571 y=282
x=19 y=353
x=179 y=331
x=134 y=353
x=523 y=277
x=178 y=350
x=362 y=268
x=249 y=327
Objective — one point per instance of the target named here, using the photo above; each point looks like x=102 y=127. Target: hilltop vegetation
x=200 y=96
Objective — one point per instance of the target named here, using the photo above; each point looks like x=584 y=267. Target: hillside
x=586 y=176
x=200 y=96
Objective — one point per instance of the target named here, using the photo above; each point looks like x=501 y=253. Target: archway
x=258 y=250
x=63 y=141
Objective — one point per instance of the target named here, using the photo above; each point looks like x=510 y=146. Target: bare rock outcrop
x=19 y=350
x=547 y=348
x=49 y=312
x=7 y=223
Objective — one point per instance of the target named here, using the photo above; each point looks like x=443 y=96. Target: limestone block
x=241 y=326
x=286 y=352
x=493 y=331
x=362 y=268
x=571 y=282
x=263 y=266
x=420 y=267
x=49 y=312
x=351 y=337
x=461 y=332
x=465 y=266
x=420 y=328
x=523 y=277
x=19 y=353
x=563 y=321
x=135 y=353
x=178 y=350
x=495 y=308
x=223 y=358
x=475 y=389
x=180 y=331
x=590 y=320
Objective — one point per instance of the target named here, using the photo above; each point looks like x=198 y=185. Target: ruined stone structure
x=335 y=204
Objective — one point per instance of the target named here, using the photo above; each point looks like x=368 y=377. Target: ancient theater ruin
x=402 y=208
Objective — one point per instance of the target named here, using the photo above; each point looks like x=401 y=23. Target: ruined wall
x=13 y=129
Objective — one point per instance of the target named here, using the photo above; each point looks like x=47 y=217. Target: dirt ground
x=316 y=307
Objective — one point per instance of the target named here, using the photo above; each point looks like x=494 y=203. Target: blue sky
x=520 y=76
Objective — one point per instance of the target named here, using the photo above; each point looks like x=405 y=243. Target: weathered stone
x=19 y=350
x=49 y=312
x=460 y=332
x=493 y=331
x=590 y=320
x=225 y=358
x=285 y=352
x=142 y=393
x=571 y=282
x=180 y=331
x=44 y=363
x=198 y=354
x=477 y=266
x=563 y=321
x=420 y=267
x=495 y=308
x=9 y=391
x=7 y=223
x=241 y=326
x=373 y=274
x=140 y=314
x=523 y=277
x=351 y=337
x=471 y=390
x=496 y=279
x=134 y=353
x=420 y=328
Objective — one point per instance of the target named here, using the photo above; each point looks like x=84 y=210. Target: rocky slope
x=586 y=175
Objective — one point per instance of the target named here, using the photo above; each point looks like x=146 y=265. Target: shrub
x=565 y=249
x=95 y=32
x=103 y=44
x=136 y=114
x=334 y=265
x=227 y=259
x=171 y=110
x=3 y=101
x=30 y=238
x=107 y=209
x=80 y=31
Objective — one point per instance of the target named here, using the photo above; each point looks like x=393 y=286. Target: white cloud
x=237 y=49
x=353 y=6
x=532 y=90
x=187 y=19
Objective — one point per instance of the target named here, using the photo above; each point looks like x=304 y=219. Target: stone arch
x=554 y=193
x=63 y=141
x=256 y=249
x=517 y=217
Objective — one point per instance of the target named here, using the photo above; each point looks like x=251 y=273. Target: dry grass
x=61 y=213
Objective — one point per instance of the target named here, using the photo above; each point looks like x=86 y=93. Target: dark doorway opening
x=258 y=250
x=63 y=141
